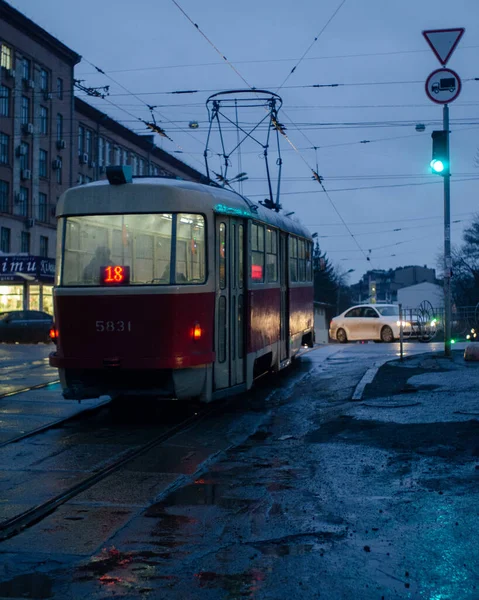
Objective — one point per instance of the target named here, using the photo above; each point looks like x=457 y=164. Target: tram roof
x=100 y=197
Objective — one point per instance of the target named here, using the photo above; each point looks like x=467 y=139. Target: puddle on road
x=244 y=585
x=205 y=492
x=30 y=585
x=451 y=440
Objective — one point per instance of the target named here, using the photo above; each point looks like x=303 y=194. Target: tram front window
x=100 y=249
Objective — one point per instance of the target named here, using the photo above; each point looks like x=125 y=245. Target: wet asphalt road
x=292 y=491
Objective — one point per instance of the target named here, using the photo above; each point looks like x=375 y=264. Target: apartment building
x=49 y=141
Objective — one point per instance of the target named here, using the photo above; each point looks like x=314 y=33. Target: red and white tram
x=175 y=289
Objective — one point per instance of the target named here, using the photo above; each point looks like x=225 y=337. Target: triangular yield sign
x=443 y=42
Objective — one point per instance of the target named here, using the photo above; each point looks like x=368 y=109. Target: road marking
x=368 y=378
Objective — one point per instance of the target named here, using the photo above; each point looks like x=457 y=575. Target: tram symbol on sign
x=446 y=84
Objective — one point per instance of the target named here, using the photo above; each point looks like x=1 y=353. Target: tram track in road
x=57 y=423
x=20 y=522
x=29 y=388
x=38 y=458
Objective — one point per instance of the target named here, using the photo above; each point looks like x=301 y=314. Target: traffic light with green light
x=440 y=155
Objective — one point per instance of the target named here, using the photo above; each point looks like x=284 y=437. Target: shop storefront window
x=11 y=297
x=48 y=299
x=34 y=297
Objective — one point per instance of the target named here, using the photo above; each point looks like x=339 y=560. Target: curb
x=368 y=378
x=370 y=374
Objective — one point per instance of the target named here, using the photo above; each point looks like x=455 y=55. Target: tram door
x=284 y=306
x=230 y=301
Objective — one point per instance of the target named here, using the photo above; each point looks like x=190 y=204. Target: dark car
x=25 y=326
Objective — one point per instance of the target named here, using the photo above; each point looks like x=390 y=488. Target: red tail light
x=196 y=332
x=53 y=333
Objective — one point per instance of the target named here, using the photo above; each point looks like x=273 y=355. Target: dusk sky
x=372 y=48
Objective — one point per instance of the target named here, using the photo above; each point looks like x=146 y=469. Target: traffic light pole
x=447 y=239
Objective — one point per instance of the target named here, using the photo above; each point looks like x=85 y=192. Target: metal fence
x=426 y=323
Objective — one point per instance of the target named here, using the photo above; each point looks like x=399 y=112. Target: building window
x=43 y=155
x=26 y=68
x=42 y=207
x=59 y=126
x=6 y=57
x=107 y=153
x=24 y=155
x=4 y=147
x=44 y=80
x=25 y=113
x=59 y=88
x=87 y=179
x=117 y=160
x=81 y=139
x=60 y=169
x=25 y=247
x=43 y=246
x=43 y=120
x=4 y=101
x=88 y=138
x=101 y=151
x=4 y=196
x=5 y=240
x=134 y=163
x=23 y=202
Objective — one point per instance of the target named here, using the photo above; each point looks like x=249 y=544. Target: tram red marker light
x=257 y=272
x=197 y=332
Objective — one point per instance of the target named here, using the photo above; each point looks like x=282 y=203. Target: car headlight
x=404 y=324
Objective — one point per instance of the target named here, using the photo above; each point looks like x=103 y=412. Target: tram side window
x=257 y=253
x=301 y=261
x=293 y=259
x=222 y=256
x=240 y=256
x=271 y=255
x=309 y=271
x=190 y=249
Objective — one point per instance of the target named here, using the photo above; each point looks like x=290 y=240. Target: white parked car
x=378 y=322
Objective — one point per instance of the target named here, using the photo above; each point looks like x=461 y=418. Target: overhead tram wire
x=272 y=60
x=149 y=107
x=287 y=87
x=372 y=187
x=315 y=174
x=310 y=46
x=230 y=64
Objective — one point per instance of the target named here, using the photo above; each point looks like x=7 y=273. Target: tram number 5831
x=110 y=326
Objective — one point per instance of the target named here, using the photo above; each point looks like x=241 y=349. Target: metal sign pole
x=447 y=240
x=401 y=332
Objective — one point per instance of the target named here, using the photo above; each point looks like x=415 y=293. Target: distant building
x=382 y=286
x=413 y=295
x=50 y=141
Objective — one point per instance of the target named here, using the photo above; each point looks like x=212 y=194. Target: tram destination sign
x=27 y=268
